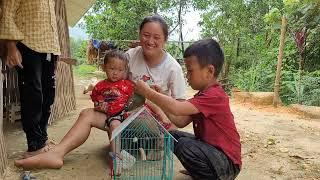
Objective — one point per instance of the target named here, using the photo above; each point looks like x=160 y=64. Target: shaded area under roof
x=76 y=9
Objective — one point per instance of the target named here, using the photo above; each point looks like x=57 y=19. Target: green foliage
x=84 y=70
x=255 y=71
x=247 y=30
x=308 y=91
x=78 y=50
x=249 y=33
x=120 y=20
x=117 y=19
x=274 y=15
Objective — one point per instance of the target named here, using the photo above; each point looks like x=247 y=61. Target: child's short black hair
x=115 y=53
x=207 y=51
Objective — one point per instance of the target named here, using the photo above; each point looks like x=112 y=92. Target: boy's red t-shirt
x=214 y=124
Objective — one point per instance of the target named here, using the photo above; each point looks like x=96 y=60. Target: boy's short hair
x=115 y=53
x=207 y=51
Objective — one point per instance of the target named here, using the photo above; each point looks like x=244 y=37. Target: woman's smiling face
x=152 y=38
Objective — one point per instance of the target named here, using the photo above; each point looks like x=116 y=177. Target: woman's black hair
x=158 y=19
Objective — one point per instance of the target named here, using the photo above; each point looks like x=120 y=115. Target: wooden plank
x=68 y=60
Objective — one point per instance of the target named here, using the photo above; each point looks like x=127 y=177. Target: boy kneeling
x=214 y=151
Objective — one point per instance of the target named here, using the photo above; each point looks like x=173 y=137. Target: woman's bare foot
x=185 y=172
x=50 y=160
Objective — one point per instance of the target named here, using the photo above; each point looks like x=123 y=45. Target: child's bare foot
x=123 y=161
x=155 y=155
x=50 y=160
x=143 y=156
x=118 y=159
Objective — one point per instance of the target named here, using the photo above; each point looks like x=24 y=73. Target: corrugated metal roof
x=76 y=9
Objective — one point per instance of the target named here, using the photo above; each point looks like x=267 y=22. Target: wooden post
x=276 y=98
x=3 y=152
x=65 y=93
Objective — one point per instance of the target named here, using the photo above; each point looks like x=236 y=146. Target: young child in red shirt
x=214 y=151
x=111 y=96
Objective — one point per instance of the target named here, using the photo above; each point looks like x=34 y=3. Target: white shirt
x=168 y=74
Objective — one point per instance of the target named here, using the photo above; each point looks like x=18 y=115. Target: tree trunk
x=180 y=25
x=276 y=98
x=300 y=74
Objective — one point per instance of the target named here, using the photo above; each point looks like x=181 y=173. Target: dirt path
x=275 y=145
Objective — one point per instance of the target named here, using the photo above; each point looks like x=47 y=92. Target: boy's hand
x=13 y=55
x=141 y=87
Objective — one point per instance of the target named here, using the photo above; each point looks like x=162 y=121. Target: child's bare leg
x=76 y=136
x=115 y=144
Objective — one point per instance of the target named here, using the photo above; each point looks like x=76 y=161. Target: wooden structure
x=65 y=95
x=3 y=154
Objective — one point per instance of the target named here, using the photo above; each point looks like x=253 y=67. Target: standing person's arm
x=10 y=32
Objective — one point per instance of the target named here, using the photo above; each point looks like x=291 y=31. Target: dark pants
x=37 y=91
x=201 y=160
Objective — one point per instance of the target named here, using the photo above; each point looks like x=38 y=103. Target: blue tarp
x=96 y=43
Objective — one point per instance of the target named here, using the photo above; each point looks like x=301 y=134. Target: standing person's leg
x=48 y=91
x=76 y=136
x=202 y=160
x=31 y=97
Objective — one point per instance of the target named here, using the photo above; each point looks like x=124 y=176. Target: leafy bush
x=307 y=92
x=78 y=50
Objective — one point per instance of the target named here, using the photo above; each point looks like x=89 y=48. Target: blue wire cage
x=146 y=149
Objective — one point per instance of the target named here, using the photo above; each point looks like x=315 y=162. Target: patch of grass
x=85 y=70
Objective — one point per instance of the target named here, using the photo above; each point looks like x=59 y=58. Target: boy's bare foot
x=50 y=160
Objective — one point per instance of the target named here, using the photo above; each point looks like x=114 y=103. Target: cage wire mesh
x=145 y=150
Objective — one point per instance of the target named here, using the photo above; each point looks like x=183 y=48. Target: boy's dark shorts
x=119 y=117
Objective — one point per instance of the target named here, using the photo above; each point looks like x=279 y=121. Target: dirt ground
x=276 y=144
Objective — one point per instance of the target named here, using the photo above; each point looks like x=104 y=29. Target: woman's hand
x=141 y=87
x=156 y=88
x=13 y=55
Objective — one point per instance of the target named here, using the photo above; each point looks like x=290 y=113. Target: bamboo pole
x=3 y=152
x=276 y=98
